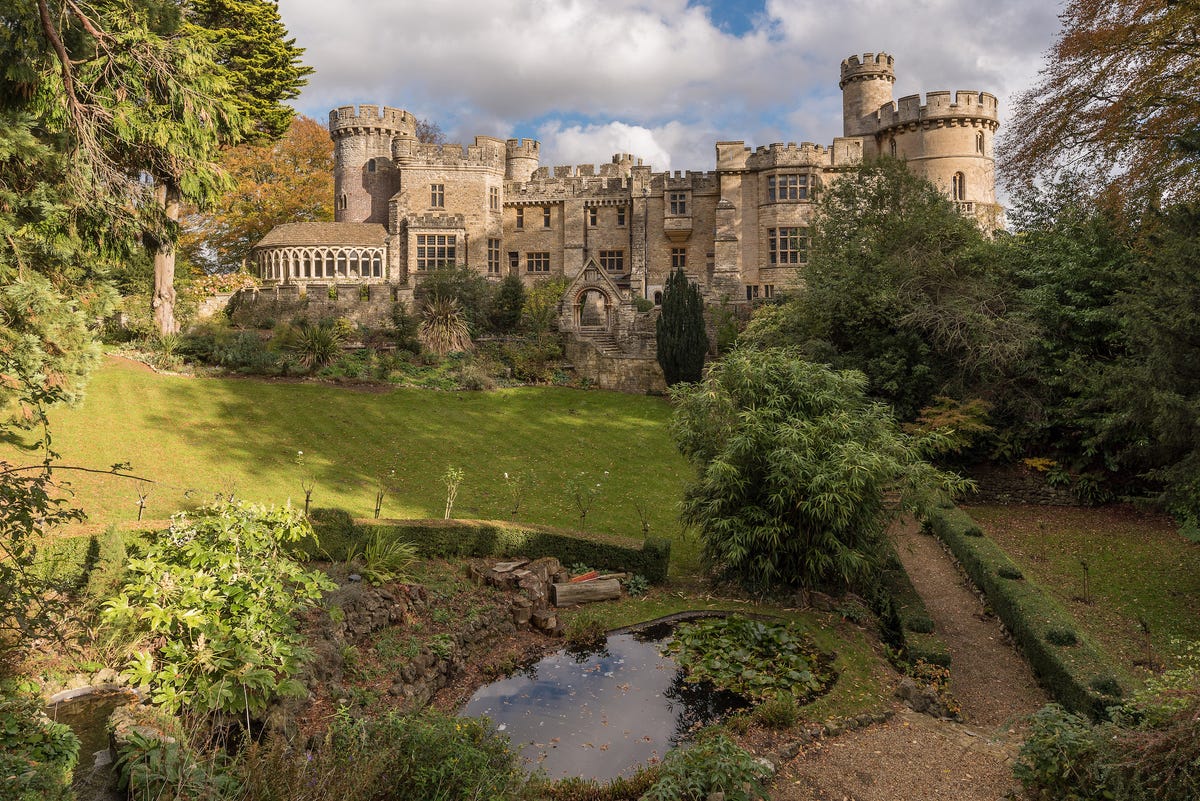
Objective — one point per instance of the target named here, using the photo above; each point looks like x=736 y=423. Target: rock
x=105 y=676
x=544 y=619
x=354 y=577
x=77 y=681
x=768 y=764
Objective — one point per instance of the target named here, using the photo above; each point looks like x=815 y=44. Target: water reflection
x=600 y=713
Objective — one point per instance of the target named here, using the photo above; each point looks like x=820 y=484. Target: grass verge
x=1141 y=586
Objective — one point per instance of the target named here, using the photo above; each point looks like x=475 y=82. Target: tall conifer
x=682 y=339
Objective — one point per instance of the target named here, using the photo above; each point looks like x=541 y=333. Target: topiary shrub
x=1063 y=637
x=1009 y=572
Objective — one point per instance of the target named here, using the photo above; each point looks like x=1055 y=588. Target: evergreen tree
x=682 y=339
x=505 y=312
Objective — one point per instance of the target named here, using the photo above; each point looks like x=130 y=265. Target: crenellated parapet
x=871 y=67
x=369 y=118
x=778 y=154
x=487 y=153
x=561 y=183
x=694 y=181
x=940 y=108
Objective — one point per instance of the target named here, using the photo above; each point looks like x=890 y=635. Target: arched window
x=657 y=298
x=959 y=187
x=371 y=165
x=979 y=142
x=892 y=146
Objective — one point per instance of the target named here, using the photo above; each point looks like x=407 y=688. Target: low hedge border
x=1081 y=676
x=337 y=531
x=916 y=626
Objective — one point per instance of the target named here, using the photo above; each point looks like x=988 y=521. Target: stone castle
x=403 y=207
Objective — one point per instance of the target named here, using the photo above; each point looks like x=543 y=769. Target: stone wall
x=639 y=374
x=269 y=305
x=1016 y=484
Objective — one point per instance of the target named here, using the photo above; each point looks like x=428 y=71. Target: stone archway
x=593 y=310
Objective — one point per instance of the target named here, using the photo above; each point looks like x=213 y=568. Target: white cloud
x=588 y=74
x=661 y=147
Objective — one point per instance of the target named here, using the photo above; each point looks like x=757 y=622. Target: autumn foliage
x=1117 y=103
x=277 y=182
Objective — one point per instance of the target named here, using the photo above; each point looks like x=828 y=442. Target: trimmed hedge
x=916 y=626
x=337 y=530
x=1081 y=676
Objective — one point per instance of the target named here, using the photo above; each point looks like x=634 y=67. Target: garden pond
x=602 y=711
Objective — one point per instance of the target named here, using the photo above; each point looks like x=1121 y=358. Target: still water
x=599 y=713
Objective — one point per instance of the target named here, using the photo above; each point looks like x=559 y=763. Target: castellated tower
x=866 y=85
x=946 y=140
x=364 y=175
x=522 y=156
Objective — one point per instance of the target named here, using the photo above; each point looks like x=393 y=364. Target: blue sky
x=662 y=79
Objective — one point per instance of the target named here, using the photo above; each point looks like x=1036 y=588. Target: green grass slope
x=195 y=437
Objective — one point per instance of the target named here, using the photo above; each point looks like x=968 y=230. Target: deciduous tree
x=899 y=285
x=274 y=182
x=1118 y=101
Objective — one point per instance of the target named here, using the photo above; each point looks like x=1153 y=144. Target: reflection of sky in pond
x=599 y=714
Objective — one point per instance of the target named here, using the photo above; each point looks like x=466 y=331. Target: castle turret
x=521 y=159
x=866 y=85
x=364 y=177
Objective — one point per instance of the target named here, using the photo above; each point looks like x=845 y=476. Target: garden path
x=913 y=756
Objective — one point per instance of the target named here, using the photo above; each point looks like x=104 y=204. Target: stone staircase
x=604 y=342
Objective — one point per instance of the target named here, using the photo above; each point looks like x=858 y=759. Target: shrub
x=1063 y=637
x=463 y=538
x=779 y=711
x=921 y=624
x=1009 y=572
x=217 y=594
x=680 y=330
x=797 y=473
x=36 y=754
x=1061 y=755
x=317 y=345
x=715 y=764
x=443 y=327
x=383 y=558
x=504 y=315
x=244 y=351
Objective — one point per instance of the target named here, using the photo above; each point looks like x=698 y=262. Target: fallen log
x=586 y=592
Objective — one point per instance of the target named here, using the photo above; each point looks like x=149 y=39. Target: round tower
x=364 y=177
x=866 y=85
x=521 y=159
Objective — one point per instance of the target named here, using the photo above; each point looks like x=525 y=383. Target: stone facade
x=740 y=231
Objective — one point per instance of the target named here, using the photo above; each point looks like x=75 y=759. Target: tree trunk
x=162 y=301
x=586 y=592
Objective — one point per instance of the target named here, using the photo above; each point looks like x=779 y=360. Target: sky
x=661 y=79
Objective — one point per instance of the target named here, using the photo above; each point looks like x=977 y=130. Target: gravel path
x=913 y=757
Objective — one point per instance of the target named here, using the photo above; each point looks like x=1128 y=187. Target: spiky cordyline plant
x=443 y=327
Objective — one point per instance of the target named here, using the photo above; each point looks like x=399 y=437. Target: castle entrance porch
x=593 y=311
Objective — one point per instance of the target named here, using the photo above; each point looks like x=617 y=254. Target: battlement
x=964 y=106
x=523 y=148
x=436 y=221
x=560 y=183
x=487 y=152
x=371 y=117
x=778 y=154
x=872 y=66
x=694 y=181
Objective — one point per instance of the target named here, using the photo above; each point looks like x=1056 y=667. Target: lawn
x=195 y=437
x=1139 y=569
